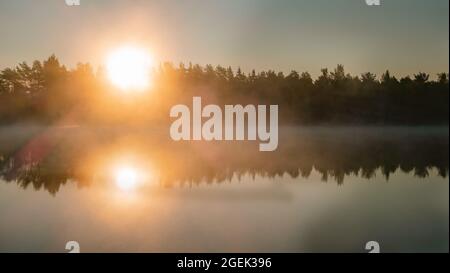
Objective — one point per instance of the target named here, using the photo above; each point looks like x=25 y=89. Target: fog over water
x=134 y=189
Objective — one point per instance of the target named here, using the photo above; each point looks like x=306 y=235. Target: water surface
x=326 y=189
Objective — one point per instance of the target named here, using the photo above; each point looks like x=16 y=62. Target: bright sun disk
x=129 y=68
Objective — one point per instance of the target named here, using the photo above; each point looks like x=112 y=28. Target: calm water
x=133 y=190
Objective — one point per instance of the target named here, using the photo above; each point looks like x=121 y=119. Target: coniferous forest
x=47 y=92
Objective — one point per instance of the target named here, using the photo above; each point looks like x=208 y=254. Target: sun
x=129 y=68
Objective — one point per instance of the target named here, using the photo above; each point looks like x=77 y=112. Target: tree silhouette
x=46 y=91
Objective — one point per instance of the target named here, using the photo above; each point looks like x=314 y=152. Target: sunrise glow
x=127 y=178
x=129 y=68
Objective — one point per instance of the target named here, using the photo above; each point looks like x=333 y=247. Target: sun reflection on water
x=127 y=178
x=130 y=175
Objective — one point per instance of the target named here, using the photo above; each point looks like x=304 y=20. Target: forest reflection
x=48 y=158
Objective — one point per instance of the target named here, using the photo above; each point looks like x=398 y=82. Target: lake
x=325 y=189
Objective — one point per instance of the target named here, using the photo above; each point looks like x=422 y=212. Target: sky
x=404 y=36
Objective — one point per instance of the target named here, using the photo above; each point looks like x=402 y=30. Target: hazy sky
x=405 y=36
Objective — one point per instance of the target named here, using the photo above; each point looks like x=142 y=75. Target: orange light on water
x=127 y=178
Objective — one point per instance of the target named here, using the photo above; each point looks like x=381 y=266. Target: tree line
x=47 y=91
x=82 y=157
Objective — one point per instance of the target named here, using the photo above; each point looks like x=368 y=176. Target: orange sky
x=405 y=36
